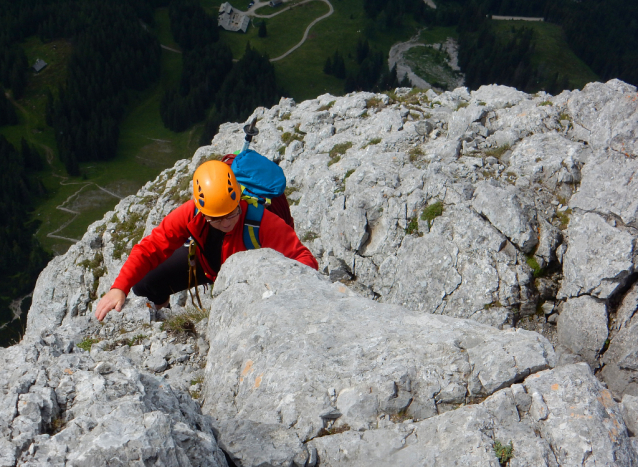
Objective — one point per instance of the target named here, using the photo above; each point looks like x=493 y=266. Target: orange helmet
x=215 y=189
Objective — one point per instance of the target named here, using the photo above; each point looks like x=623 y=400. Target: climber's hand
x=114 y=298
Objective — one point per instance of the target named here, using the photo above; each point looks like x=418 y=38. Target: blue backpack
x=260 y=180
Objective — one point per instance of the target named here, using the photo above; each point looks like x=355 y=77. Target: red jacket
x=182 y=223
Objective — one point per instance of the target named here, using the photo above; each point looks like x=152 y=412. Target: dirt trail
x=170 y=48
x=258 y=4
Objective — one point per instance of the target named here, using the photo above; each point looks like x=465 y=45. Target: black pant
x=168 y=278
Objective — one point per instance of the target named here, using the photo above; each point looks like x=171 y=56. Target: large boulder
x=290 y=348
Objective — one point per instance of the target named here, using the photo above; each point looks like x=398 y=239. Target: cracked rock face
x=289 y=347
x=446 y=228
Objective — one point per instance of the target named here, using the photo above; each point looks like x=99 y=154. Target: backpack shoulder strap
x=252 y=223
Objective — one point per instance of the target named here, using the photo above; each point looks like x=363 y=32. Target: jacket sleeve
x=154 y=249
x=276 y=234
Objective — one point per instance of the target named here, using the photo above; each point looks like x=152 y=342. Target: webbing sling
x=252 y=223
x=192 y=271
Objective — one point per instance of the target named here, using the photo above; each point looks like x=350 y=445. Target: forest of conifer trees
x=21 y=256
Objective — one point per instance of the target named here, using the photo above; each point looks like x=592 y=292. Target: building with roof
x=39 y=65
x=231 y=19
x=276 y=2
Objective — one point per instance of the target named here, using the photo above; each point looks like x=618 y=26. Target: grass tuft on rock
x=532 y=263
x=413 y=226
x=504 y=453
x=339 y=150
x=431 y=212
x=497 y=152
x=309 y=236
x=87 y=343
x=328 y=106
x=184 y=322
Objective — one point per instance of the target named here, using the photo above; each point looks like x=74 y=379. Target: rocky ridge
x=448 y=228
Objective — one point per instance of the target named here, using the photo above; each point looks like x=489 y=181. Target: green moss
x=348 y=173
x=87 y=343
x=482 y=104
x=545 y=103
x=431 y=212
x=495 y=304
x=504 y=453
x=282 y=150
x=298 y=131
x=462 y=105
x=181 y=193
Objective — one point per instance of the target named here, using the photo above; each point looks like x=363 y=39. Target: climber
x=158 y=265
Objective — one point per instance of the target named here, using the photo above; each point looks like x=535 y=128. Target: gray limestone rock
x=503 y=208
x=629 y=410
x=599 y=258
x=63 y=408
x=609 y=187
x=282 y=336
x=590 y=429
x=621 y=359
x=509 y=170
x=582 y=327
